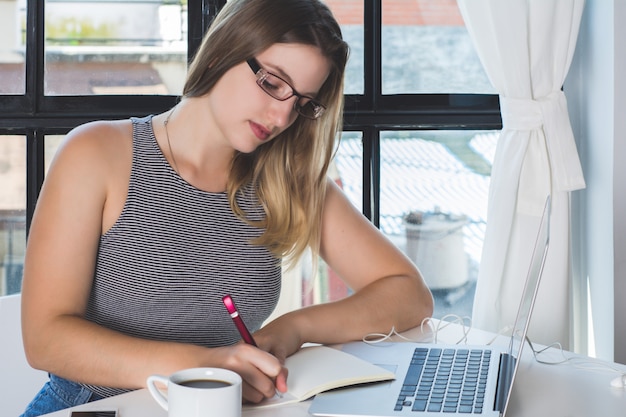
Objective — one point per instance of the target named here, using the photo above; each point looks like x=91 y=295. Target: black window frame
x=35 y=115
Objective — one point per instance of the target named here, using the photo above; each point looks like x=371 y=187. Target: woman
x=143 y=225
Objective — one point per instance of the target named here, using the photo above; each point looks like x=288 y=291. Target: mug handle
x=156 y=393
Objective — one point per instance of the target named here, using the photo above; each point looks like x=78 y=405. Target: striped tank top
x=172 y=254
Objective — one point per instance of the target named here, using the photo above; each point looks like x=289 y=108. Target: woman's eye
x=270 y=86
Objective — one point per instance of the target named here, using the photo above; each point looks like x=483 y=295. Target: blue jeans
x=57 y=394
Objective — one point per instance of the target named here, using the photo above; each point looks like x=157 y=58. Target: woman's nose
x=283 y=112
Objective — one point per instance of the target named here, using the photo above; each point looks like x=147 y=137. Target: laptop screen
x=522 y=321
x=531 y=287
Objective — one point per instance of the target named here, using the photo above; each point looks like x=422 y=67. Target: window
x=421 y=127
x=420 y=118
x=12 y=220
x=115 y=47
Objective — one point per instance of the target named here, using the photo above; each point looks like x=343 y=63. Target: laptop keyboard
x=445 y=380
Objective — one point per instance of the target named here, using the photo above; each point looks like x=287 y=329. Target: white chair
x=18 y=381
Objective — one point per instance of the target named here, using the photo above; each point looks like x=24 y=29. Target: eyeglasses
x=281 y=90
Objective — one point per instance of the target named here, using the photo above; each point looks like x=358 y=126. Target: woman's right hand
x=258 y=369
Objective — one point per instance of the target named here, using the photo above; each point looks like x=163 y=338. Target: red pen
x=234 y=314
x=243 y=330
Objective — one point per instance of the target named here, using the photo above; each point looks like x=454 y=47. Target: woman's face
x=245 y=115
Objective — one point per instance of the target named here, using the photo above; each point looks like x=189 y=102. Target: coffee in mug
x=204 y=383
x=199 y=392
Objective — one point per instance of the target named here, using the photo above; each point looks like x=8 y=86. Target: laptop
x=437 y=379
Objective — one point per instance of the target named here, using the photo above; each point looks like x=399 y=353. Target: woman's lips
x=259 y=131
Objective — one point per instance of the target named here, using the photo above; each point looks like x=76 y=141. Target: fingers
x=257 y=385
x=250 y=394
x=281 y=380
x=258 y=370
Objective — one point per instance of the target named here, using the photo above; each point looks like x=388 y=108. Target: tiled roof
x=423 y=175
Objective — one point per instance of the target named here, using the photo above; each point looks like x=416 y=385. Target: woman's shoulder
x=97 y=146
x=102 y=131
x=99 y=138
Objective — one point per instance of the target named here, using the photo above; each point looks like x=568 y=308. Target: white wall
x=598 y=115
x=619 y=183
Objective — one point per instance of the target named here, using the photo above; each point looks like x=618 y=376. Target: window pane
x=13 y=207
x=349 y=14
x=427 y=49
x=12 y=212
x=347 y=169
x=52 y=143
x=434 y=189
x=12 y=68
x=115 y=47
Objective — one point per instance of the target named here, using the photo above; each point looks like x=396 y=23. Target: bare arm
x=81 y=198
x=388 y=289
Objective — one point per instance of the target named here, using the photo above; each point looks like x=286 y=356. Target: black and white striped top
x=175 y=250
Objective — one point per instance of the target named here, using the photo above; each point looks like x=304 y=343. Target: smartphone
x=95 y=413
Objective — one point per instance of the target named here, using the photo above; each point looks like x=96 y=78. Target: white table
x=578 y=388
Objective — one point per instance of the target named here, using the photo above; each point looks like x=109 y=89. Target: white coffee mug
x=199 y=392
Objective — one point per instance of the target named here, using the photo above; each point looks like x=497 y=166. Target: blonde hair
x=288 y=173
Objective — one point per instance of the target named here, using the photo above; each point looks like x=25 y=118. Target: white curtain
x=526 y=47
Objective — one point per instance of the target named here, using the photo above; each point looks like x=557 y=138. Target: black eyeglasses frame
x=261 y=74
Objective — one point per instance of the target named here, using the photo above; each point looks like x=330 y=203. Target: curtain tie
x=550 y=114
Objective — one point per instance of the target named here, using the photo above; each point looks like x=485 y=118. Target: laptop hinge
x=505 y=376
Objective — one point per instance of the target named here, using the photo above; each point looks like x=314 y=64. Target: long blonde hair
x=288 y=173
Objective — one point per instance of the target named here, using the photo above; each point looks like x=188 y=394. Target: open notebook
x=437 y=379
x=314 y=369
